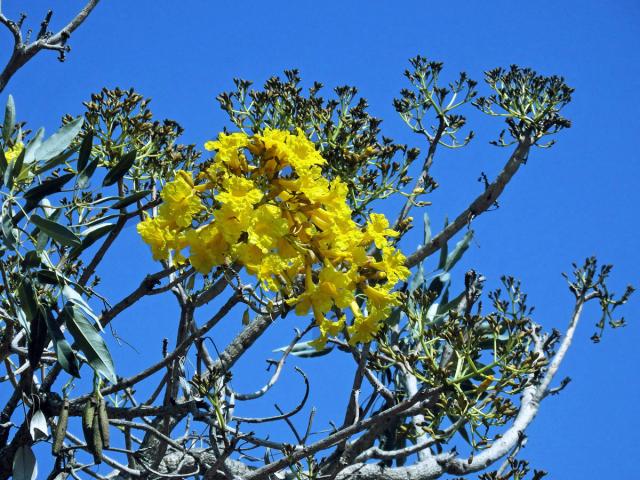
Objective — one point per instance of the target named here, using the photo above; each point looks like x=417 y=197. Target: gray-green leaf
x=25 y=466
x=90 y=342
x=64 y=353
x=458 y=250
x=58 y=232
x=120 y=169
x=32 y=147
x=60 y=140
x=134 y=197
x=85 y=150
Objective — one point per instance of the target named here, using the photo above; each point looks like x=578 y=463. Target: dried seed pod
x=97 y=439
x=87 y=423
x=61 y=428
x=103 y=418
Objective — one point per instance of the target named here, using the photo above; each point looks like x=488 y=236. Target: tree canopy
x=278 y=218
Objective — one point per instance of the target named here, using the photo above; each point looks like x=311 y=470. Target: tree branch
x=478 y=206
x=23 y=53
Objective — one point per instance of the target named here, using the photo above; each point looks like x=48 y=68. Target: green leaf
x=444 y=250
x=31 y=259
x=64 y=353
x=48 y=187
x=92 y=235
x=97 y=231
x=85 y=150
x=306 y=350
x=427 y=229
x=86 y=174
x=58 y=232
x=452 y=305
x=8 y=230
x=9 y=119
x=32 y=147
x=25 y=466
x=42 y=238
x=53 y=162
x=38 y=339
x=120 y=169
x=458 y=251
x=134 y=197
x=28 y=300
x=438 y=284
x=60 y=140
x=417 y=279
x=71 y=296
x=312 y=352
x=89 y=342
x=48 y=277
x=3 y=166
x=22 y=320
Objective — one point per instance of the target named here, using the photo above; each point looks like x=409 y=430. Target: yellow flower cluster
x=264 y=204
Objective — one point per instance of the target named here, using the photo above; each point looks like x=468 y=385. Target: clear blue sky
x=577 y=199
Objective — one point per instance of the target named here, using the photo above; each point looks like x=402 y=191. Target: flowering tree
x=279 y=220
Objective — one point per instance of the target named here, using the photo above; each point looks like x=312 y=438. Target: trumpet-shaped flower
x=207 y=247
x=180 y=200
x=393 y=265
x=377 y=230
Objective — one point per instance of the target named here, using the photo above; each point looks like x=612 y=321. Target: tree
x=280 y=221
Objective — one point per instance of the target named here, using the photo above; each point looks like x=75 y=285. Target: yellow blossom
x=393 y=265
x=156 y=233
x=378 y=229
x=229 y=150
x=180 y=201
x=14 y=152
x=363 y=329
x=267 y=227
x=207 y=247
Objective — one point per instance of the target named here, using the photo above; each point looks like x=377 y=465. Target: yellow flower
x=207 y=247
x=312 y=298
x=238 y=200
x=271 y=267
x=363 y=329
x=328 y=328
x=248 y=255
x=229 y=148
x=381 y=297
x=180 y=200
x=14 y=152
x=304 y=155
x=377 y=230
x=156 y=234
x=393 y=265
x=274 y=213
x=338 y=285
x=267 y=227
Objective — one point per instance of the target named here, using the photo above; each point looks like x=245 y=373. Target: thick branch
x=478 y=206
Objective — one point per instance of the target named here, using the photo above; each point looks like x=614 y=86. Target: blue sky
x=577 y=199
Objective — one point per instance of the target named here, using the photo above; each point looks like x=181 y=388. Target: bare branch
x=58 y=42
x=478 y=206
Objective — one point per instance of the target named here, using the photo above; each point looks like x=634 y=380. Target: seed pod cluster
x=95 y=426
